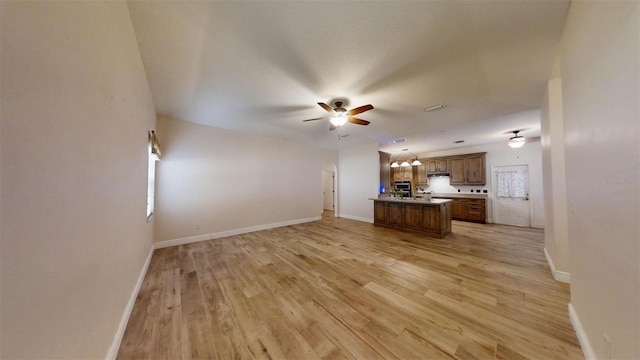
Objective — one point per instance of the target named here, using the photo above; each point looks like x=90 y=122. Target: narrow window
x=154 y=155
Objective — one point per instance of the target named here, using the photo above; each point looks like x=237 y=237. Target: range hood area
x=438 y=174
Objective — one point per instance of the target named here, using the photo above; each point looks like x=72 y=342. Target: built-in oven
x=404 y=186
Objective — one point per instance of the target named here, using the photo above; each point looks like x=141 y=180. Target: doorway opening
x=328 y=190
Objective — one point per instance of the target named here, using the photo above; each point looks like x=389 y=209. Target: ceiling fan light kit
x=339 y=119
x=517 y=141
x=340 y=116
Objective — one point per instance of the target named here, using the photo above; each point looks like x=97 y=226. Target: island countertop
x=413 y=201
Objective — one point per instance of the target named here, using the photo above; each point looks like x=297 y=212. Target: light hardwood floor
x=339 y=288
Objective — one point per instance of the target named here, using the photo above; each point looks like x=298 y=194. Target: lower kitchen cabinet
x=458 y=209
x=412 y=216
x=429 y=217
x=476 y=210
x=473 y=210
x=394 y=215
x=379 y=212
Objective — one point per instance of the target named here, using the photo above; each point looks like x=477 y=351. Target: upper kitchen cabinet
x=457 y=170
x=435 y=166
x=467 y=169
x=476 y=173
x=385 y=170
x=403 y=173
x=420 y=174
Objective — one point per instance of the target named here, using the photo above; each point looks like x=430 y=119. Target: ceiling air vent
x=434 y=108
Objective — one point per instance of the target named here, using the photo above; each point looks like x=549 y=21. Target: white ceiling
x=261 y=67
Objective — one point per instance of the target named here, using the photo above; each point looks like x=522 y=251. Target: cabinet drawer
x=473 y=215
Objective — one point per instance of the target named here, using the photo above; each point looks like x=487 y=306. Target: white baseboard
x=221 y=234
x=358 y=218
x=589 y=354
x=561 y=276
x=115 y=345
x=538 y=226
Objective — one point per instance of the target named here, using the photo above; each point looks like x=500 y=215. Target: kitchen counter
x=412 y=200
x=459 y=195
x=428 y=217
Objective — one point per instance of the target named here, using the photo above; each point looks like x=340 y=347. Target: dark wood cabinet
x=420 y=175
x=467 y=169
x=380 y=213
x=457 y=209
x=431 y=219
x=394 y=214
x=476 y=173
x=396 y=175
x=473 y=210
x=385 y=171
x=403 y=173
x=457 y=171
x=437 y=165
x=412 y=216
x=425 y=217
x=476 y=210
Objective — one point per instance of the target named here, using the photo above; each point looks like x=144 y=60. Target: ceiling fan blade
x=358 y=121
x=326 y=107
x=332 y=127
x=320 y=118
x=360 y=109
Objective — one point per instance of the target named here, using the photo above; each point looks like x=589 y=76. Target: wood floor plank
x=343 y=289
x=196 y=326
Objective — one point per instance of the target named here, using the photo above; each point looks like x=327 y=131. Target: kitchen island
x=430 y=217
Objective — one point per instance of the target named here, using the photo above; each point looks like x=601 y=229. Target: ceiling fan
x=339 y=115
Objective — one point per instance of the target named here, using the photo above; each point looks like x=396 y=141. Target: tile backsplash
x=441 y=185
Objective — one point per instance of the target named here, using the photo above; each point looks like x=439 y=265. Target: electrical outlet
x=572 y=207
x=197 y=226
x=607 y=347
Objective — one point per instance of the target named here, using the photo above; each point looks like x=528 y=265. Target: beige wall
x=555 y=195
x=75 y=111
x=213 y=180
x=358 y=180
x=600 y=92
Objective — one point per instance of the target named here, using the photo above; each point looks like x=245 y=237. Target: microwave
x=404 y=186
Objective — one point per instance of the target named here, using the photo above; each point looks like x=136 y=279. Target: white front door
x=327 y=190
x=511 y=190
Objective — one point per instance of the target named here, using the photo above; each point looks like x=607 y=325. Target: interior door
x=511 y=188
x=327 y=190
